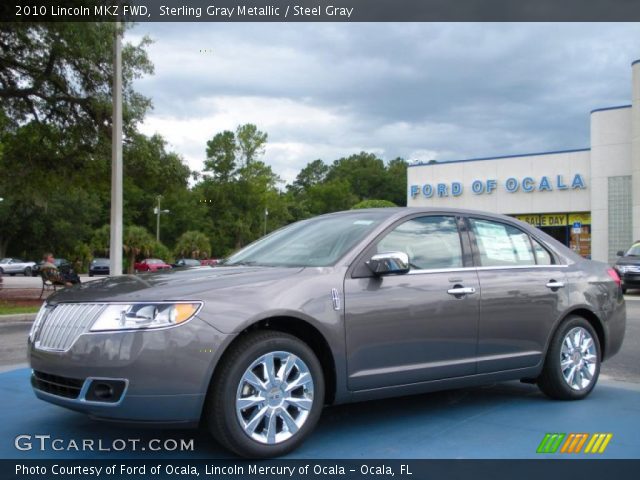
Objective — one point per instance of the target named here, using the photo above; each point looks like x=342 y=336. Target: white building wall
x=610 y=157
x=635 y=150
x=566 y=164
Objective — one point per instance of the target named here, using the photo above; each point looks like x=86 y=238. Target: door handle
x=552 y=284
x=461 y=291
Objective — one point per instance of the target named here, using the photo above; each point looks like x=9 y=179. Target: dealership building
x=589 y=199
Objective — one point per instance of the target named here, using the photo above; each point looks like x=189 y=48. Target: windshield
x=317 y=242
x=634 y=251
x=5 y=260
x=154 y=261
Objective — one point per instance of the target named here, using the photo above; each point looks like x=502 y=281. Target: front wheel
x=572 y=365
x=27 y=272
x=267 y=395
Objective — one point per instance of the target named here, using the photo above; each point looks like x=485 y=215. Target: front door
x=420 y=326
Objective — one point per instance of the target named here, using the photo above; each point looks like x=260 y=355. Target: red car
x=210 y=261
x=150 y=265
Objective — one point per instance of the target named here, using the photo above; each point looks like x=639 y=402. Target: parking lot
x=507 y=420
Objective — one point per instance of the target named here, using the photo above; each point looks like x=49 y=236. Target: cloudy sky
x=420 y=91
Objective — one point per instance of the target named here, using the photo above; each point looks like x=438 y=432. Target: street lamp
x=266 y=214
x=158 y=212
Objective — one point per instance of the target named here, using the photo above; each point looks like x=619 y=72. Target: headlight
x=144 y=315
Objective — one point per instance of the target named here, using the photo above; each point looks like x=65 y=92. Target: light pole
x=115 y=250
x=158 y=212
x=266 y=214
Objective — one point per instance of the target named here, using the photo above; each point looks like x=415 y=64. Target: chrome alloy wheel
x=274 y=397
x=578 y=358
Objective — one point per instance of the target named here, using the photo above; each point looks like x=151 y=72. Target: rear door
x=421 y=326
x=522 y=295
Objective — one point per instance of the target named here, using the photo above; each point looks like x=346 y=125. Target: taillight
x=614 y=275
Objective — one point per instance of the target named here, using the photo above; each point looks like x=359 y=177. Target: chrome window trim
x=469 y=269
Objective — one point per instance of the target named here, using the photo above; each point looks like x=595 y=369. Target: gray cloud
x=414 y=90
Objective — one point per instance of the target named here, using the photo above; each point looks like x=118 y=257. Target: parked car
x=150 y=265
x=210 y=261
x=186 y=262
x=628 y=267
x=14 y=265
x=99 y=266
x=63 y=265
x=339 y=308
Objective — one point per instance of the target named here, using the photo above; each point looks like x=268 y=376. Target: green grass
x=13 y=309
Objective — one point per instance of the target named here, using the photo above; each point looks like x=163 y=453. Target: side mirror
x=389 y=263
x=620 y=253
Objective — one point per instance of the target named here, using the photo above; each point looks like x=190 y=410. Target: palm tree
x=136 y=241
x=193 y=244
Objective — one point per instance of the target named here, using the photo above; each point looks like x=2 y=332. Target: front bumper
x=630 y=280
x=166 y=372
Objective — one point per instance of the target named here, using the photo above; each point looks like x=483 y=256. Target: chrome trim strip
x=471 y=269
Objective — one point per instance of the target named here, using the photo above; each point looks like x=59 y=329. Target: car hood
x=180 y=284
x=628 y=261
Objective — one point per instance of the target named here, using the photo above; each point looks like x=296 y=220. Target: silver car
x=16 y=265
x=345 y=307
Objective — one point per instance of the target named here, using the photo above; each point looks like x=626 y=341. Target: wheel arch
x=305 y=332
x=593 y=320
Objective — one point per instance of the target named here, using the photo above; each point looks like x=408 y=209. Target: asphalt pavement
x=506 y=420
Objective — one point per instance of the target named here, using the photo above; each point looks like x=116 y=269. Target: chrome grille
x=630 y=269
x=64 y=323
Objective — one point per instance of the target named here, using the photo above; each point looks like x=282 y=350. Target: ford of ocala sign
x=510 y=185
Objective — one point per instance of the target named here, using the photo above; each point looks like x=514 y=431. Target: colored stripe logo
x=574 y=443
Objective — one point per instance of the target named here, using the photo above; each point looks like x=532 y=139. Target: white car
x=15 y=265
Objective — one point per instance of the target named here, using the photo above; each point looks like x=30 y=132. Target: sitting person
x=50 y=272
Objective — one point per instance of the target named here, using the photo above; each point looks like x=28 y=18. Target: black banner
x=321 y=10
x=317 y=469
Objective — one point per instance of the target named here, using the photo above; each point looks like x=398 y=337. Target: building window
x=619 y=196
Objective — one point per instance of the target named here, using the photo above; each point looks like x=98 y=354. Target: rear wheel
x=267 y=395
x=572 y=365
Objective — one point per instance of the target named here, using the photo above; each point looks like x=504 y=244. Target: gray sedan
x=340 y=308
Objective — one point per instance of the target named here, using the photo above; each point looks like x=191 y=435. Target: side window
x=431 y=242
x=543 y=257
x=501 y=245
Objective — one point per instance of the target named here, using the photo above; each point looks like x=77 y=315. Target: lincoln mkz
x=340 y=308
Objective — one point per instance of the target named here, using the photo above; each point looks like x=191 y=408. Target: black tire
x=624 y=290
x=12 y=274
x=27 y=272
x=1 y=271
x=90 y=274
x=551 y=381
x=220 y=409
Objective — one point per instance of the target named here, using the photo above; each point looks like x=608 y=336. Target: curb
x=18 y=317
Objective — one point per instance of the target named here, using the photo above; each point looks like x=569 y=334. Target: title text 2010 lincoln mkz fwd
x=339 y=308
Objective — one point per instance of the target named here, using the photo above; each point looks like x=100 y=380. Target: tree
x=364 y=171
x=136 y=241
x=251 y=142
x=60 y=73
x=193 y=244
x=240 y=187
x=221 y=155
x=373 y=204
x=55 y=126
x=100 y=241
x=312 y=174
